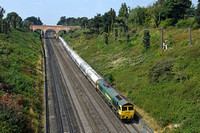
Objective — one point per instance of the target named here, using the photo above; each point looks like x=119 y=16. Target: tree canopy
x=14 y=19
x=128 y=18
x=33 y=20
x=175 y=9
x=2 y=11
x=197 y=13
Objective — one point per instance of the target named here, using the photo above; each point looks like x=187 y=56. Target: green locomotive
x=123 y=108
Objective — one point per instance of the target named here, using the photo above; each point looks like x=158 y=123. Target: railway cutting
x=74 y=105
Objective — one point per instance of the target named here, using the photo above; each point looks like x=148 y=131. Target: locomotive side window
x=130 y=108
x=124 y=108
x=114 y=104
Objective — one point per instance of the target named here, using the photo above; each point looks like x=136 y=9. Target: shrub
x=185 y=23
x=166 y=23
x=133 y=31
x=18 y=76
x=106 y=38
x=128 y=37
x=195 y=26
x=128 y=45
x=146 y=39
x=161 y=71
x=109 y=78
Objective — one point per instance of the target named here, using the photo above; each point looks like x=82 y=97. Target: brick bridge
x=44 y=28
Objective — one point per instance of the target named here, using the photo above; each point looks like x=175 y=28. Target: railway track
x=73 y=103
x=60 y=115
x=93 y=105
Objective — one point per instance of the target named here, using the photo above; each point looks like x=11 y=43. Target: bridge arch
x=38 y=29
x=44 y=28
x=52 y=31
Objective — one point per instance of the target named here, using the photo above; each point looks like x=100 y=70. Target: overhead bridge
x=44 y=28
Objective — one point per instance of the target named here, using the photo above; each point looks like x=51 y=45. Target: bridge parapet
x=58 y=28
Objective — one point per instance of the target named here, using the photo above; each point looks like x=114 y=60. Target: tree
x=123 y=12
x=97 y=23
x=138 y=15
x=197 y=13
x=176 y=9
x=5 y=26
x=26 y=24
x=109 y=20
x=70 y=21
x=190 y=12
x=2 y=11
x=31 y=21
x=62 y=21
x=14 y=19
x=146 y=39
x=124 y=15
x=84 y=22
x=157 y=10
x=19 y=21
x=120 y=25
x=39 y=22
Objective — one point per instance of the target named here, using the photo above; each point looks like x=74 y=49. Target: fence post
x=161 y=38
x=190 y=41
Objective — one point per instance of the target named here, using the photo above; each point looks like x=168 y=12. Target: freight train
x=122 y=107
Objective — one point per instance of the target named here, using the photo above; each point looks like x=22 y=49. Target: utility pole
x=2 y=25
x=190 y=41
x=161 y=38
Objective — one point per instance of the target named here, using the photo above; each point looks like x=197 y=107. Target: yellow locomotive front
x=126 y=112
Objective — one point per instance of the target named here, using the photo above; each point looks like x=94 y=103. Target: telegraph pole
x=190 y=41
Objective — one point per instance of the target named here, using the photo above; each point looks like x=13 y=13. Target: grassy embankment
x=21 y=82
x=164 y=84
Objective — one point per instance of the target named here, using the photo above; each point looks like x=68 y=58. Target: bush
x=106 y=38
x=166 y=23
x=128 y=37
x=109 y=78
x=195 y=26
x=146 y=39
x=128 y=45
x=20 y=53
x=185 y=23
x=161 y=71
x=133 y=31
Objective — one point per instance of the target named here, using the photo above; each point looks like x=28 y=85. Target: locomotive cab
x=126 y=111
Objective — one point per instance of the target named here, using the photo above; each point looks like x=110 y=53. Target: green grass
x=20 y=79
x=163 y=83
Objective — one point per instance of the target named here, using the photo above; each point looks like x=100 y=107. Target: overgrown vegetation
x=21 y=82
x=21 y=75
x=146 y=39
